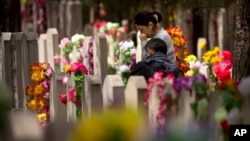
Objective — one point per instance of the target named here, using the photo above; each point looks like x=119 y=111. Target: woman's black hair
x=144 y=17
x=157 y=45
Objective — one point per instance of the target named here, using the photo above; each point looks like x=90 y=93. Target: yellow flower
x=216 y=49
x=37 y=76
x=67 y=68
x=202 y=44
x=190 y=58
x=215 y=59
x=42 y=117
x=189 y=73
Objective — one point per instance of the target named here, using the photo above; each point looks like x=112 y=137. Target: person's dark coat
x=155 y=63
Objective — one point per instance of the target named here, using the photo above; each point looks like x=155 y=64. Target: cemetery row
x=97 y=91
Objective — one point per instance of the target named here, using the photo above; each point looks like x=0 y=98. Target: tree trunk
x=241 y=64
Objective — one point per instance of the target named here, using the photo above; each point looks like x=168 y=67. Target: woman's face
x=148 y=30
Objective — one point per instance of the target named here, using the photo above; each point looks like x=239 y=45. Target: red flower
x=225 y=75
x=63 y=98
x=225 y=126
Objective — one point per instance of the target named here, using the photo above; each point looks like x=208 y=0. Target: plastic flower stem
x=79 y=77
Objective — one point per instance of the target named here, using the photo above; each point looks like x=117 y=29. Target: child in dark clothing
x=155 y=61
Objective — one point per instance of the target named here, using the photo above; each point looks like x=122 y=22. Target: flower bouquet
x=77 y=70
x=179 y=41
x=38 y=92
x=127 y=59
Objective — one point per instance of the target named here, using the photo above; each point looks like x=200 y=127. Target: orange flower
x=38 y=89
x=185 y=53
x=35 y=67
x=29 y=90
x=37 y=76
x=41 y=103
x=32 y=104
x=184 y=66
x=177 y=36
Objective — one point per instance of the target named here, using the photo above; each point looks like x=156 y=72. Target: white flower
x=194 y=64
x=125 y=45
x=234 y=116
x=71 y=56
x=244 y=87
x=123 y=68
x=133 y=51
x=77 y=37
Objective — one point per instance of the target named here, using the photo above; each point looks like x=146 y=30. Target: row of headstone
x=18 y=52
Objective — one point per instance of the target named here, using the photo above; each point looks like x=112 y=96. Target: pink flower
x=64 y=42
x=78 y=66
x=64 y=61
x=65 y=79
x=57 y=58
x=63 y=98
x=72 y=97
x=46 y=95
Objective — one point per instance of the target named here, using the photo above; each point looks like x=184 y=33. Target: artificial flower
x=38 y=89
x=125 y=45
x=37 y=76
x=32 y=104
x=190 y=58
x=225 y=126
x=123 y=68
x=189 y=73
x=63 y=98
x=29 y=90
x=78 y=67
x=73 y=98
x=77 y=38
x=42 y=117
x=202 y=44
x=46 y=95
x=57 y=58
x=184 y=66
x=64 y=42
x=67 y=68
x=65 y=79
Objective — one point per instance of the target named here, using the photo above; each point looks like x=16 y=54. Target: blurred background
x=206 y=16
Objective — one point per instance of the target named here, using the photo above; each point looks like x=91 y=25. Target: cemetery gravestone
x=52 y=45
x=58 y=111
x=113 y=92
x=42 y=49
x=18 y=43
x=7 y=62
x=134 y=93
x=199 y=49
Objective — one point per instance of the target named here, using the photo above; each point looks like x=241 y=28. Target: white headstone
x=113 y=91
x=42 y=43
x=52 y=45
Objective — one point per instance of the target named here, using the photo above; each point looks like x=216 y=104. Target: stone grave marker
x=93 y=83
x=42 y=49
x=71 y=108
x=222 y=28
x=58 y=111
x=52 y=45
x=134 y=92
x=18 y=43
x=62 y=18
x=73 y=13
x=113 y=92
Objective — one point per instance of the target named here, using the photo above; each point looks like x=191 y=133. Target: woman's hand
x=143 y=37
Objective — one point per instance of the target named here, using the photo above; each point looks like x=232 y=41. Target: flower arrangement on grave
x=66 y=47
x=77 y=70
x=91 y=57
x=122 y=125
x=38 y=91
x=73 y=66
x=167 y=98
x=179 y=41
x=127 y=59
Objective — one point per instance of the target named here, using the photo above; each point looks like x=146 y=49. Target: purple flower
x=81 y=44
x=183 y=84
x=200 y=78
